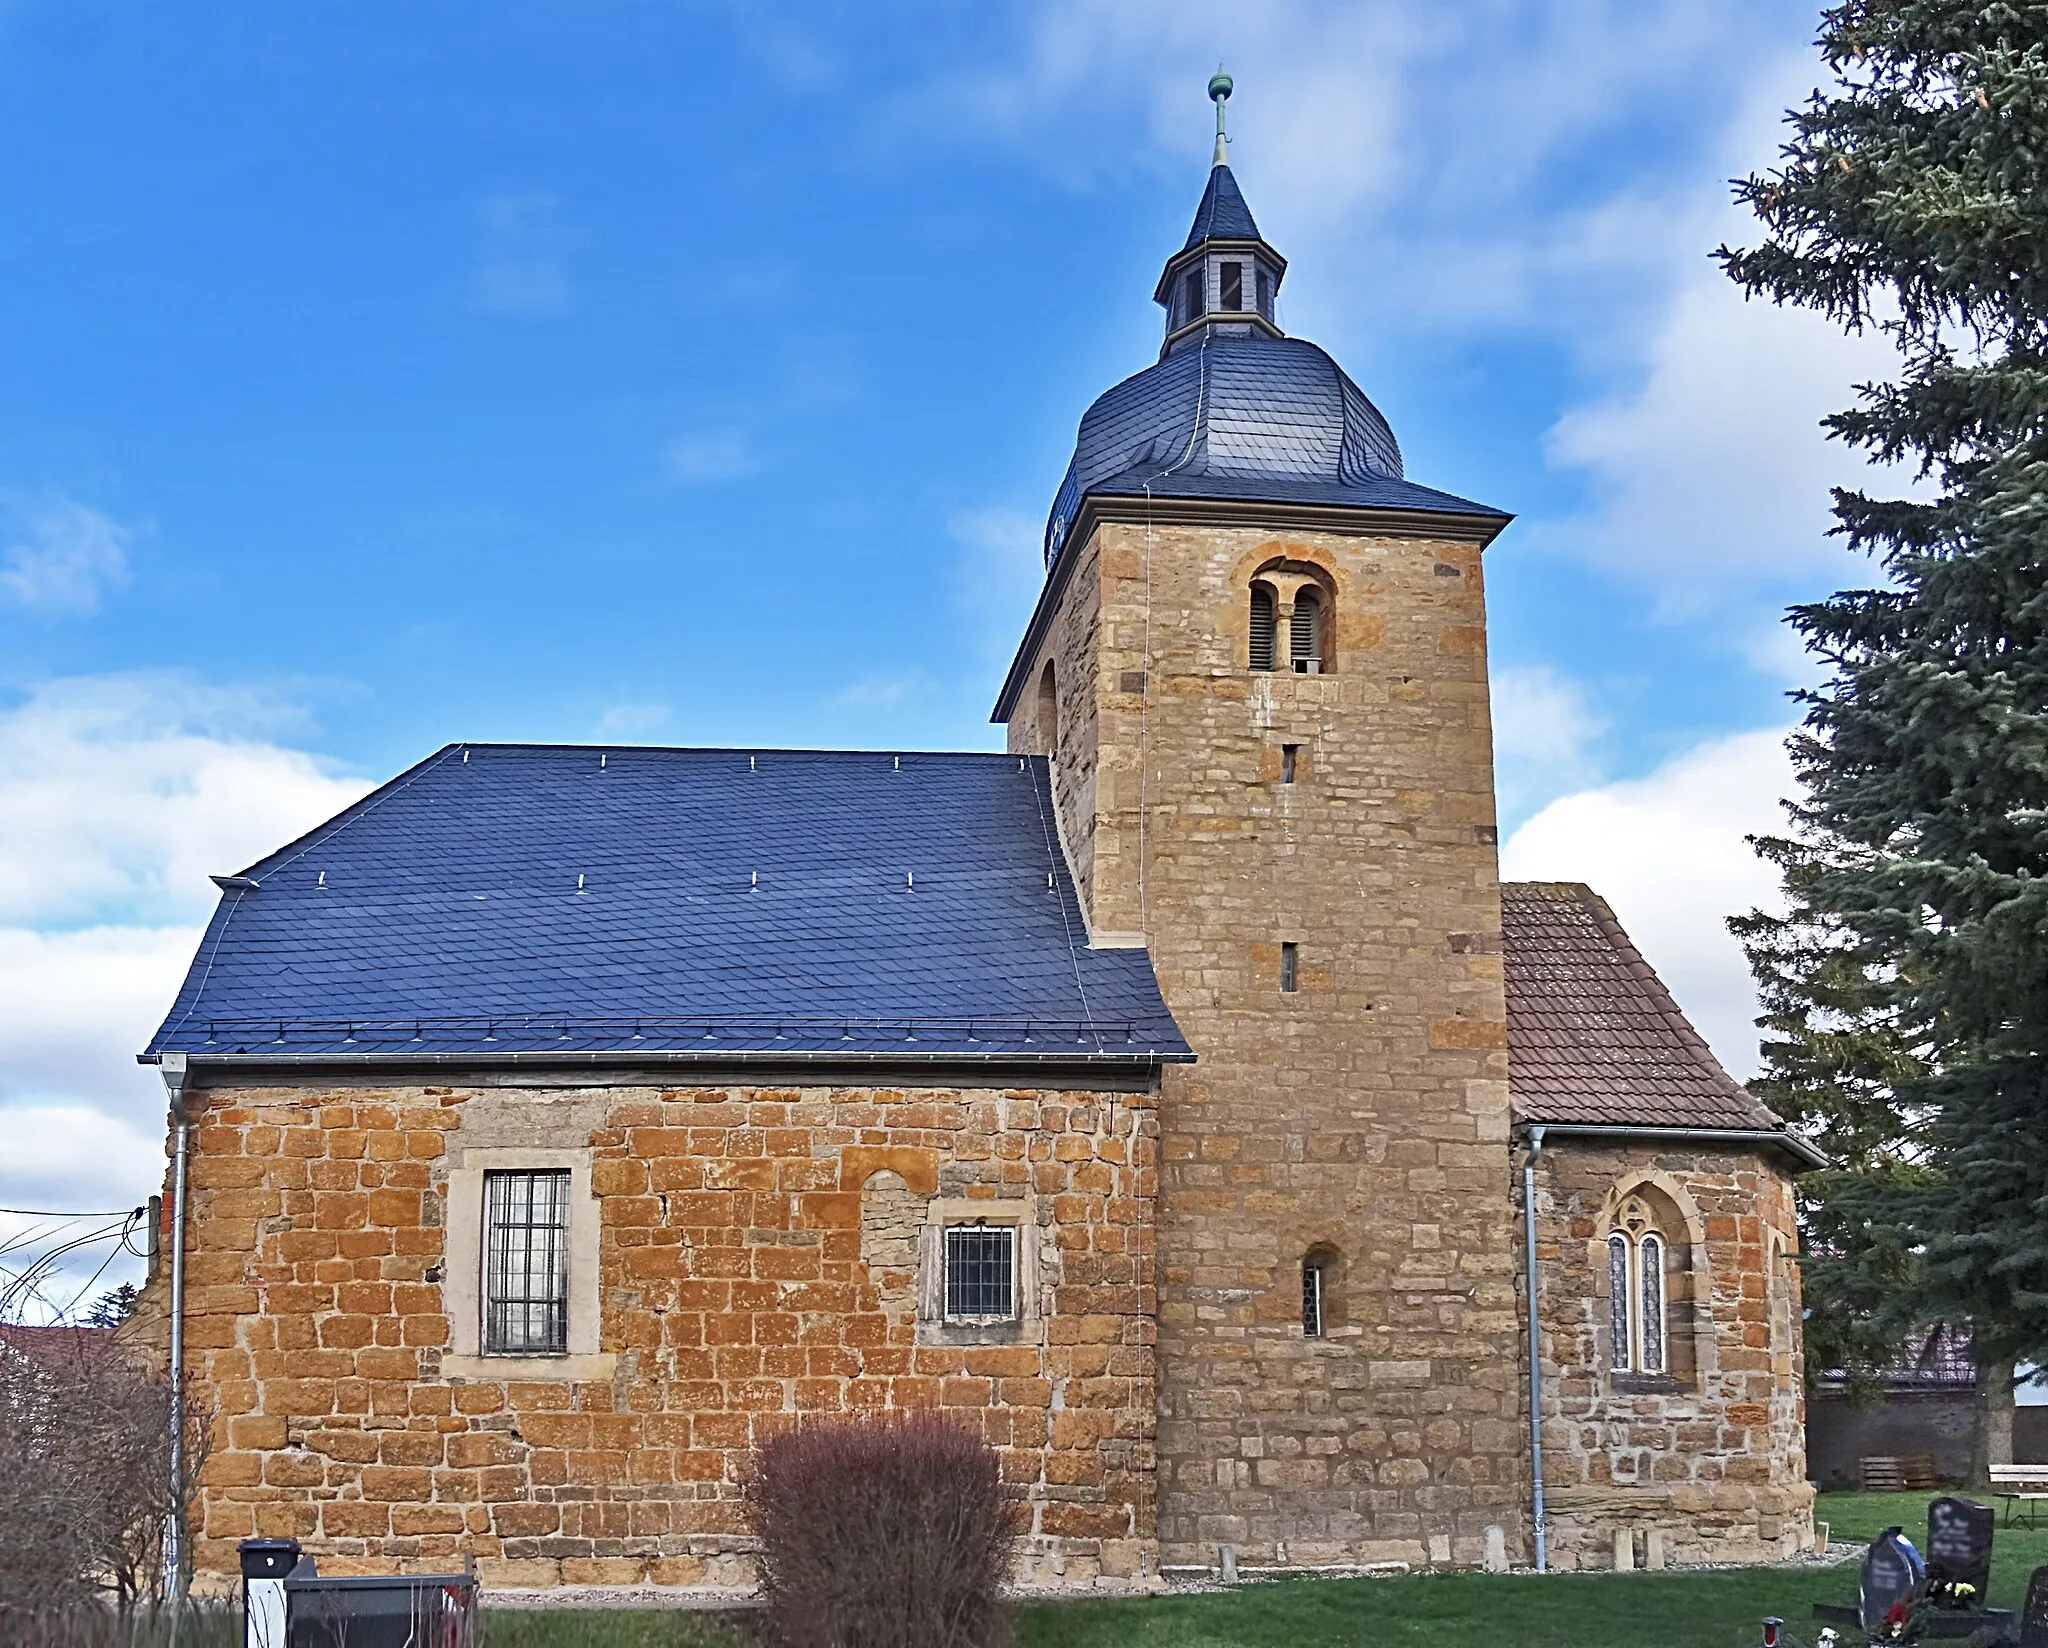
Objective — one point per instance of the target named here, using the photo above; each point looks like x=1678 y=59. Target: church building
x=1165 y=1098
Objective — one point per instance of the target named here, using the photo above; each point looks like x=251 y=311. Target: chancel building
x=1156 y=1097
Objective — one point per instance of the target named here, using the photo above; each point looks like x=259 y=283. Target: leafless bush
x=883 y=1533
x=97 y=1625
x=85 y=1446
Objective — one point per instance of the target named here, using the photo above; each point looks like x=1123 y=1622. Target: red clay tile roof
x=1594 y=1038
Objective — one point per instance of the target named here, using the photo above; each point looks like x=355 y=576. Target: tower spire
x=1219 y=94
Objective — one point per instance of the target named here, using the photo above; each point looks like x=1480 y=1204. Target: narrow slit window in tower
x=1233 y=285
x=1263 y=625
x=1306 y=634
x=1289 y=966
x=1312 y=1298
x=1288 y=755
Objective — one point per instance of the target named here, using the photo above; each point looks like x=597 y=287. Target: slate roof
x=1594 y=1038
x=783 y=904
x=1254 y=417
x=1222 y=215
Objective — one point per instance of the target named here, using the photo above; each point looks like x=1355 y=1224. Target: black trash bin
x=381 y=1611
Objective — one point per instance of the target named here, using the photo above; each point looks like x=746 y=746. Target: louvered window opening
x=981 y=1271
x=1305 y=637
x=1233 y=286
x=1262 y=630
x=1265 y=292
x=1312 y=1299
x=1191 y=296
x=526 y=1264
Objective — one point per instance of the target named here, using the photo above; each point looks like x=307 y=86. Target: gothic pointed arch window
x=1637 y=1327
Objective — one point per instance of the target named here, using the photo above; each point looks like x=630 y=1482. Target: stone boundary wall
x=757 y=1253
x=1711 y=1458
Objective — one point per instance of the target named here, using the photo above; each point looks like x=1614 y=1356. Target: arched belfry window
x=1305 y=633
x=1636 y=1326
x=1263 y=624
x=1048 y=711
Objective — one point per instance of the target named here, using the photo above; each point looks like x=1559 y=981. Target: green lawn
x=1670 y=1610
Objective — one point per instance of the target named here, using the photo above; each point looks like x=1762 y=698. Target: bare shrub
x=884 y=1533
x=85 y=1446
x=97 y=1625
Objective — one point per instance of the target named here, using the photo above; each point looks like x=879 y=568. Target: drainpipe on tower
x=1535 y=1338
x=172 y=1068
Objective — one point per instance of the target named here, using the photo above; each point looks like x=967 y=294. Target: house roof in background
x=1594 y=1038
x=793 y=904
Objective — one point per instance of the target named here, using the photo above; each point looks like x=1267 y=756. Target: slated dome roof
x=1234 y=409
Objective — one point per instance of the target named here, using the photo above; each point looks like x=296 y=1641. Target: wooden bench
x=2020 y=1485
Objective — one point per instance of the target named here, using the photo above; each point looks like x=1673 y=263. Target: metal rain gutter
x=1791 y=1143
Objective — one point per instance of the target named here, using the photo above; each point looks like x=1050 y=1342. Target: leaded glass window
x=526 y=1264
x=1618 y=1336
x=981 y=1271
x=1650 y=1329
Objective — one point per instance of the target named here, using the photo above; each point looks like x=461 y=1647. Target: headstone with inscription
x=2034 y=1617
x=1892 y=1568
x=1959 y=1552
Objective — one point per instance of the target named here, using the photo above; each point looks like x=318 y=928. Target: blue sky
x=373 y=376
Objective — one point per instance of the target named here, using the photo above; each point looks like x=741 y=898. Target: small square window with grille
x=1233 y=285
x=526 y=1264
x=1290 y=956
x=981 y=1271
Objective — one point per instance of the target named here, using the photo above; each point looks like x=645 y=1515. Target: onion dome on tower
x=1234 y=409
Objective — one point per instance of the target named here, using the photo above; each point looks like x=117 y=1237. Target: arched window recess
x=1637 y=1329
x=1290 y=619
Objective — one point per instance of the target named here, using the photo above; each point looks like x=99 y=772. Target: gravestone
x=2034 y=1617
x=1959 y=1552
x=1891 y=1571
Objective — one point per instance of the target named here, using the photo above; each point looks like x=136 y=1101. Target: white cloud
x=625 y=721
x=711 y=455
x=522 y=269
x=998 y=575
x=58 y=558
x=1708 y=473
x=1544 y=731
x=118 y=795
x=1668 y=853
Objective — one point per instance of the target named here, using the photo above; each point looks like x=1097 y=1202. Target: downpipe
x=172 y=1068
x=1535 y=1341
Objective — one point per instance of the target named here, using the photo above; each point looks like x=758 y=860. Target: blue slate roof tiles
x=798 y=903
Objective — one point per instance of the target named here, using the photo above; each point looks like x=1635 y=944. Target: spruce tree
x=1907 y=995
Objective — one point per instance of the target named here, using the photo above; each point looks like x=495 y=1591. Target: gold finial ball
x=1219 y=86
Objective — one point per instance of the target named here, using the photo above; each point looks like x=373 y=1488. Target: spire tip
x=1219 y=93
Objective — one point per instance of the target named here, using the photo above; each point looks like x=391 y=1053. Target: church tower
x=1258 y=666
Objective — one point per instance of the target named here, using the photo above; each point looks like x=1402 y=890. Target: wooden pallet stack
x=1882 y=1473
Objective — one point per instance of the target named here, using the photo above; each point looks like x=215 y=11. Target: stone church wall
x=761 y=1257
x=1363 y=1116
x=1710 y=1457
